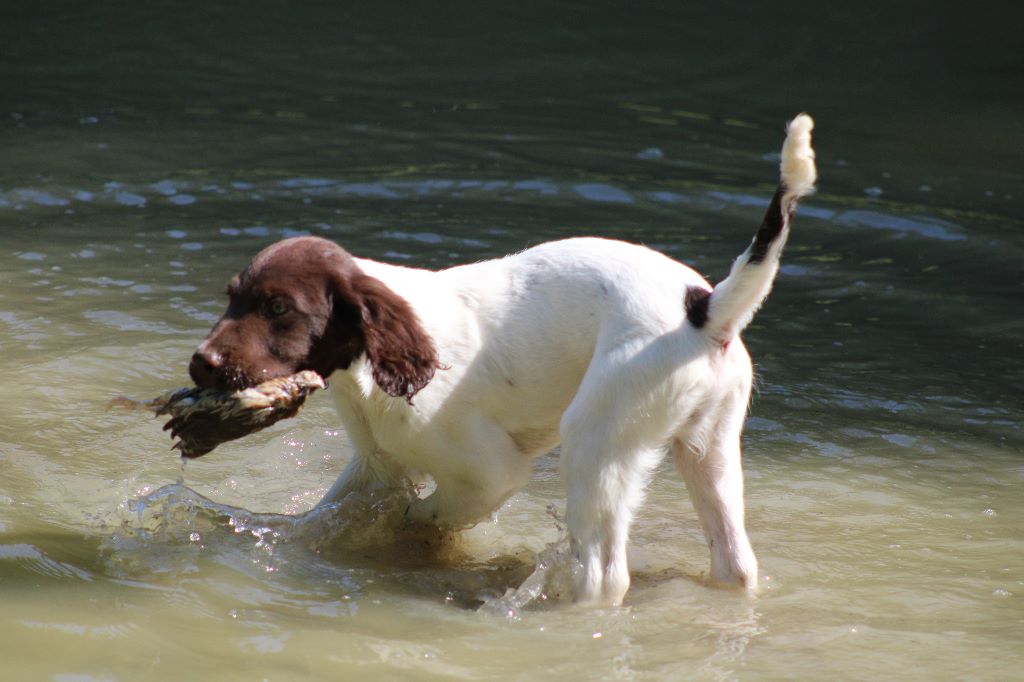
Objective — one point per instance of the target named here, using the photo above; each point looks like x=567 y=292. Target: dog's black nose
x=204 y=366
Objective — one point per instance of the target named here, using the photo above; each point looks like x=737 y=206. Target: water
x=148 y=152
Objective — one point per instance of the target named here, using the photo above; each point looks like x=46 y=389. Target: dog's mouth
x=224 y=379
x=238 y=380
x=225 y=375
x=231 y=378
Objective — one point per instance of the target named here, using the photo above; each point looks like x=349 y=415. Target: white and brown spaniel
x=614 y=351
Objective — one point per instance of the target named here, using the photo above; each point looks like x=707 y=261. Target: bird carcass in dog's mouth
x=203 y=418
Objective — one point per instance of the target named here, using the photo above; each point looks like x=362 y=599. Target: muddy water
x=148 y=154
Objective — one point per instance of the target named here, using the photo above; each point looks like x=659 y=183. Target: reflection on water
x=143 y=167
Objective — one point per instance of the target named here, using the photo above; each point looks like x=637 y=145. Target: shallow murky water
x=147 y=155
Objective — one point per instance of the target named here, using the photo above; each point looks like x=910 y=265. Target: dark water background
x=148 y=149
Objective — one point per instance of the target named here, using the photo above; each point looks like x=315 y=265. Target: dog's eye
x=277 y=307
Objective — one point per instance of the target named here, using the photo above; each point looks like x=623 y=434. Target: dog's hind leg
x=605 y=470
x=714 y=477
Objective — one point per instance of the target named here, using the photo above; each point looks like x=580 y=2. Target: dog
x=612 y=350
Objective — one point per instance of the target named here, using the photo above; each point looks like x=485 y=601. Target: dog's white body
x=591 y=344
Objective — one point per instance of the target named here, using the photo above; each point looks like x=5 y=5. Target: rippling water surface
x=148 y=153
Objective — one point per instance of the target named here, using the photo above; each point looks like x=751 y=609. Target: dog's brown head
x=303 y=303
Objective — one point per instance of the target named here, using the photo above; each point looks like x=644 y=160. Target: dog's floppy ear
x=401 y=353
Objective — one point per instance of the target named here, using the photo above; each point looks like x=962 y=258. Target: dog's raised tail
x=732 y=304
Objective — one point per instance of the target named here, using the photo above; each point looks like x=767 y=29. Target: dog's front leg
x=365 y=472
x=370 y=467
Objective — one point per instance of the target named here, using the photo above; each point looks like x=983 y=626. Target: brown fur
x=303 y=303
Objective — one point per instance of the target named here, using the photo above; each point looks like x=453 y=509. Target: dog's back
x=516 y=335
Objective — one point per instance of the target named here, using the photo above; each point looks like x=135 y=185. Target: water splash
x=551 y=582
x=175 y=532
x=169 y=529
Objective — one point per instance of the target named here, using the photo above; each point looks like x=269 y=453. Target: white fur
x=582 y=342
x=737 y=298
x=797 y=167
